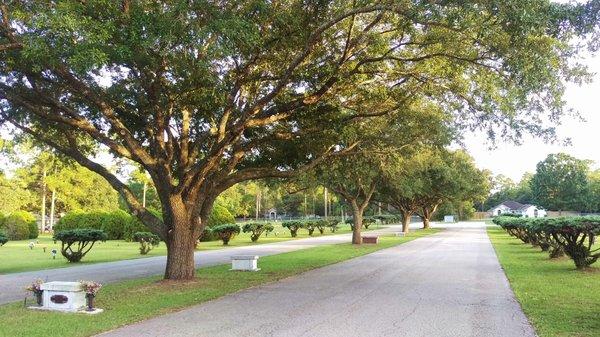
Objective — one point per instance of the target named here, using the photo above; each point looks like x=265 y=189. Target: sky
x=514 y=160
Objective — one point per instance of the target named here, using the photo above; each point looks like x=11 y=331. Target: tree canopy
x=204 y=95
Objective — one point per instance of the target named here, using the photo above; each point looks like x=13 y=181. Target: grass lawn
x=557 y=299
x=132 y=301
x=17 y=257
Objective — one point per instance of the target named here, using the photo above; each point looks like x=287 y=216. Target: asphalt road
x=12 y=286
x=448 y=284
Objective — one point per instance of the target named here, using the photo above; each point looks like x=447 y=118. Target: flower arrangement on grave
x=36 y=288
x=90 y=288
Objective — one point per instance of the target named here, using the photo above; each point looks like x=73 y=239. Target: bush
x=219 y=216
x=293 y=226
x=83 y=239
x=321 y=225
x=257 y=228
x=118 y=225
x=368 y=222
x=225 y=232
x=20 y=225
x=3 y=239
x=574 y=236
x=333 y=225
x=147 y=241
x=310 y=226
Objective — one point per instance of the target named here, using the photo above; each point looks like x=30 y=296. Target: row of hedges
x=19 y=225
x=573 y=236
x=118 y=225
x=310 y=225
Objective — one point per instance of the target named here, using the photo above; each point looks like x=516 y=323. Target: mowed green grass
x=132 y=301
x=557 y=299
x=17 y=257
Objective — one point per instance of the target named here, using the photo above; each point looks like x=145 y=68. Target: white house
x=513 y=207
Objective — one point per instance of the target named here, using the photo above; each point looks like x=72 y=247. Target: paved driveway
x=448 y=284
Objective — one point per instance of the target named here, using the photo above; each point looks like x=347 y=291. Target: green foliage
x=147 y=241
x=225 y=232
x=75 y=243
x=333 y=225
x=118 y=225
x=219 y=216
x=3 y=239
x=575 y=236
x=257 y=229
x=293 y=226
x=20 y=225
x=368 y=221
x=561 y=183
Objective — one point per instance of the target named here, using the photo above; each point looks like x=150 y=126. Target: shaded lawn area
x=135 y=300
x=557 y=299
x=17 y=257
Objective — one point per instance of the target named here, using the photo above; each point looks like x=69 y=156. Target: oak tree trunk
x=181 y=242
x=357 y=220
x=425 y=218
x=405 y=221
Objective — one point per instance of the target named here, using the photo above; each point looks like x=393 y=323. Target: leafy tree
x=449 y=176
x=204 y=95
x=75 y=243
x=505 y=189
x=593 y=198
x=14 y=195
x=561 y=182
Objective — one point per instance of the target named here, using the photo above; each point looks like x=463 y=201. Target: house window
x=535 y=213
x=499 y=211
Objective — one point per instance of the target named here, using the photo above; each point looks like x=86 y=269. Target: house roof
x=513 y=205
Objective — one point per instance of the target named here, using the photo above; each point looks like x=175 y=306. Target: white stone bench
x=244 y=262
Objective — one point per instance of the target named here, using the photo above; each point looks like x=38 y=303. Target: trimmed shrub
x=368 y=222
x=3 y=239
x=310 y=226
x=321 y=225
x=114 y=223
x=333 y=225
x=573 y=236
x=257 y=229
x=293 y=226
x=225 y=232
x=20 y=225
x=75 y=243
x=146 y=240
x=576 y=236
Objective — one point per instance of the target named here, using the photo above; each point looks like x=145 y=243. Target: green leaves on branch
x=575 y=236
x=257 y=229
x=75 y=243
x=225 y=232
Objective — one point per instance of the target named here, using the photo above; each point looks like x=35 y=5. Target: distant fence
x=481 y=215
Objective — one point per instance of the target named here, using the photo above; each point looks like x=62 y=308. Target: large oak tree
x=206 y=94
